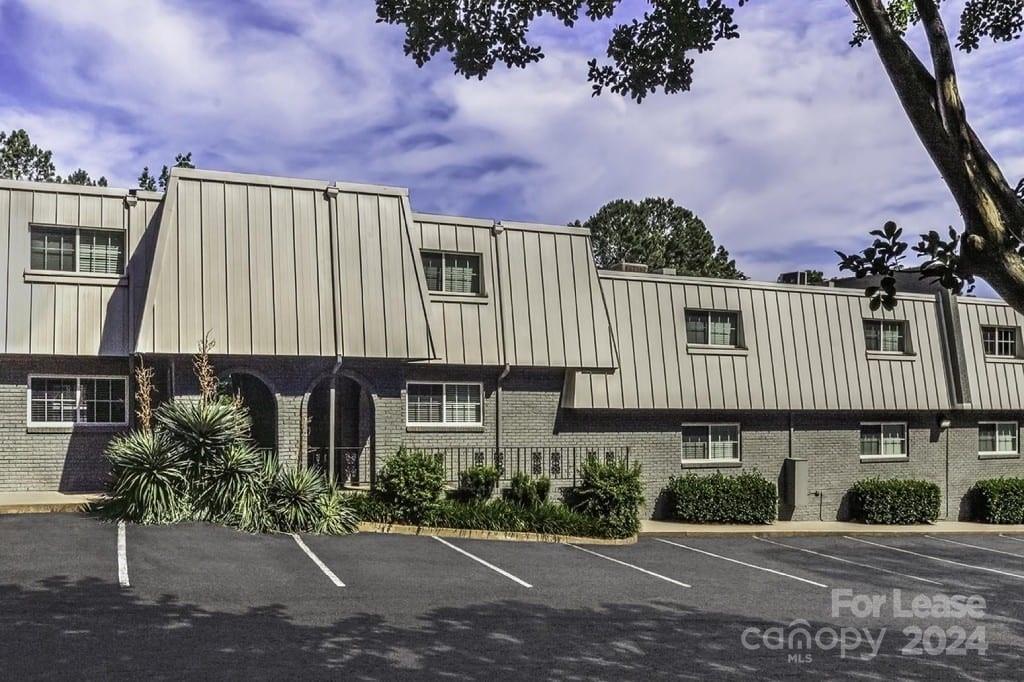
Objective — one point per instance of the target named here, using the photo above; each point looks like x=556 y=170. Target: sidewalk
x=41 y=501
x=813 y=528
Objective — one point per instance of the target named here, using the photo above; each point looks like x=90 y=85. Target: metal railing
x=352 y=466
x=561 y=464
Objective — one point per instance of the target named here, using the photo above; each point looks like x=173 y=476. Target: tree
x=659 y=234
x=146 y=181
x=22 y=160
x=81 y=177
x=656 y=51
x=180 y=161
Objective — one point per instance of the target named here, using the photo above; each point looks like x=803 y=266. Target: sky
x=790 y=145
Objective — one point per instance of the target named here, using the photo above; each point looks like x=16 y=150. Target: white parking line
x=635 y=568
x=935 y=558
x=984 y=549
x=742 y=563
x=481 y=561
x=122 y=555
x=316 y=560
x=847 y=561
x=1010 y=537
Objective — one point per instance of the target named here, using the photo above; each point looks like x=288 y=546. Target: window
x=1000 y=341
x=711 y=442
x=443 y=403
x=885 y=336
x=77 y=400
x=65 y=249
x=883 y=440
x=452 y=273
x=712 y=328
x=997 y=438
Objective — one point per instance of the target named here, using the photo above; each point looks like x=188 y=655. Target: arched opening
x=262 y=406
x=353 y=429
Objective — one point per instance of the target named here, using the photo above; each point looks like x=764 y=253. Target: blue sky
x=791 y=145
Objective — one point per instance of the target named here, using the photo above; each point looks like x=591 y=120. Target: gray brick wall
x=66 y=459
x=531 y=417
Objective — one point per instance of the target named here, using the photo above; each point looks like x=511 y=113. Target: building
x=480 y=340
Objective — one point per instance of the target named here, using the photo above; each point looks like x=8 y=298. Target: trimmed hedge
x=409 y=484
x=527 y=491
x=499 y=515
x=895 y=501
x=999 y=500
x=747 y=497
x=611 y=492
x=477 y=483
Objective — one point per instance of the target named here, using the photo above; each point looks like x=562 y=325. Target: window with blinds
x=710 y=442
x=883 y=440
x=452 y=273
x=998 y=438
x=65 y=249
x=444 y=404
x=712 y=328
x=885 y=336
x=78 y=400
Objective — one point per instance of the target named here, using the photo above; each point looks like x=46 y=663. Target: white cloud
x=791 y=143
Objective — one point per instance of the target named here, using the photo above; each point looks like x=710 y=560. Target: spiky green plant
x=233 y=486
x=295 y=499
x=149 y=481
x=199 y=429
x=337 y=513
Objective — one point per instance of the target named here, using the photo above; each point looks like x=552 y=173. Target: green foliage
x=611 y=492
x=478 y=483
x=370 y=508
x=526 y=491
x=410 y=484
x=22 y=160
x=180 y=161
x=295 y=499
x=747 y=497
x=146 y=180
x=199 y=429
x=999 y=500
x=336 y=515
x=500 y=515
x=149 y=483
x=82 y=177
x=233 y=487
x=658 y=233
x=895 y=501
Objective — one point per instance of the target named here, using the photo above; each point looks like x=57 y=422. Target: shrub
x=526 y=491
x=369 y=508
x=410 y=484
x=148 y=480
x=233 y=483
x=747 y=497
x=500 y=515
x=895 y=501
x=295 y=499
x=199 y=429
x=999 y=500
x=478 y=483
x=337 y=516
x=610 y=492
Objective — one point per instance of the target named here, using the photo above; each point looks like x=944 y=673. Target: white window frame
x=78 y=399
x=78 y=251
x=444 y=258
x=444 y=404
x=881 y=442
x=997 y=424
x=901 y=325
x=707 y=426
x=997 y=328
x=707 y=313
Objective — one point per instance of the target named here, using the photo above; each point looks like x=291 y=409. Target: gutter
x=496 y=229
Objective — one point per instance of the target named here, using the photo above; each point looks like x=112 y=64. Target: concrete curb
x=851 y=529
x=46 y=503
x=505 y=536
x=59 y=507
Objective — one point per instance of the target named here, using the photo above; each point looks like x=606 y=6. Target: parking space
x=415 y=597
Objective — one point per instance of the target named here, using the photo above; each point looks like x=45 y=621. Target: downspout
x=331 y=193
x=496 y=230
x=332 y=426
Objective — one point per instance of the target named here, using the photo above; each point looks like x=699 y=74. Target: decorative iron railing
x=561 y=464
x=352 y=466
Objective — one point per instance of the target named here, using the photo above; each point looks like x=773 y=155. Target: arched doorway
x=262 y=406
x=353 y=429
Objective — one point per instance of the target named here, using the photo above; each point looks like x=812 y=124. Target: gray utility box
x=795 y=477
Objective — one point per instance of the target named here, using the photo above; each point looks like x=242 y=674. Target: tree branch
x=951 y=106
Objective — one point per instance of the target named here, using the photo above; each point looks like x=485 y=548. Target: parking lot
x=84 y=599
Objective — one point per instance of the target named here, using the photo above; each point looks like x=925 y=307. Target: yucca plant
x=233 y=486
x=199 y=429
x=149 y=480
x=295 y=499
x=337 y=513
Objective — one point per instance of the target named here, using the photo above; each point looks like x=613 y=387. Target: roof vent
x=663 y=271
x=629 y=267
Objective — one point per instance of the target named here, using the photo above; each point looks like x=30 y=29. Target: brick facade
x=531 y=417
